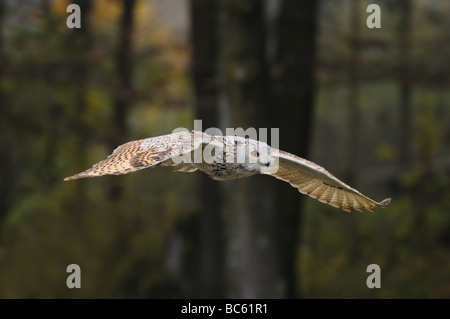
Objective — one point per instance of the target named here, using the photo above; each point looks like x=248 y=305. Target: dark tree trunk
x=81 y=39
x=209 y=262
x=293 y=88
x=404 y=35
x=262 y=220
x=354 y=117
x=123 y=63
x=2 y=19
x=5 y=162
x=252 y=264
x=123 y=83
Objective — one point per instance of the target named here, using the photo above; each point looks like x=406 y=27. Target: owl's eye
x=255 y=154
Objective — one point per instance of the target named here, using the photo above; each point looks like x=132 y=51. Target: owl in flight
x=231 y=157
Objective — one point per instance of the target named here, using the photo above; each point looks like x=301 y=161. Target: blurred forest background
x=370 y=105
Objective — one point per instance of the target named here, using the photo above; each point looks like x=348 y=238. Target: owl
x=228 y=158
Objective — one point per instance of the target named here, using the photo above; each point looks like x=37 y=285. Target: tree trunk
x=404 y=34
x=81 y=39
x=252 y=263
x=2 y=19
x=5 y=162
x=262 y=236
x=293 y=88
x=209 y=270
x=354 y=117
x=123 y=88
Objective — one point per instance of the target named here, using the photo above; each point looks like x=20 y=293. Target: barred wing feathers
x=315 y=181
x=144 y=153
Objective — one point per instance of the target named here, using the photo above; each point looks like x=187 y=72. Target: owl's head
x=252 y=153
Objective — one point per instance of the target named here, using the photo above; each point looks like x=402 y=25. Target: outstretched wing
x=315 y=181
x=136 y=155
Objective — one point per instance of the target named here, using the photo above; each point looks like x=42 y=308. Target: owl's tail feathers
x=384 y=203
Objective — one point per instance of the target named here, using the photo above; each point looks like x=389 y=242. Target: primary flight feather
x=231 y=157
